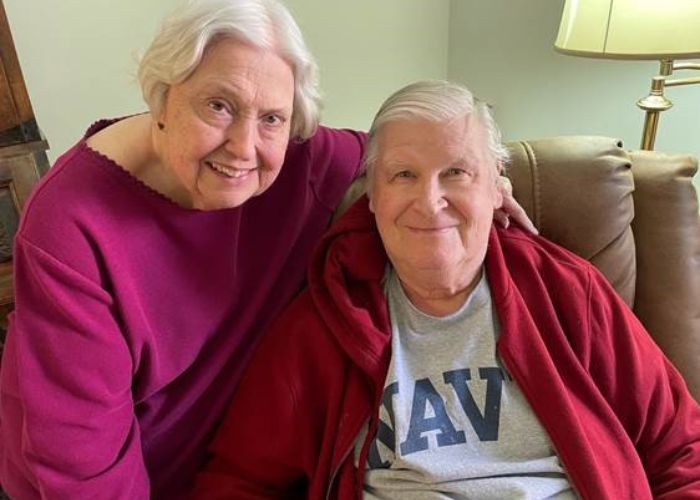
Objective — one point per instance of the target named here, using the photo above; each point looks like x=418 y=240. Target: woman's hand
x=512 y=208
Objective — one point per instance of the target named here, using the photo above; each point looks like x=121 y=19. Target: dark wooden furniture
x=22 y=158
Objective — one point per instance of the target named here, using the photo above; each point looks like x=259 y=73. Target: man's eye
x=217 y=106
x=455 y=171
x=404 y=174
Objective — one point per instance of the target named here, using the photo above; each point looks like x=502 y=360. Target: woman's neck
x=134 y=144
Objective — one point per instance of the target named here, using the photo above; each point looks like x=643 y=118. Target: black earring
x=161 y=125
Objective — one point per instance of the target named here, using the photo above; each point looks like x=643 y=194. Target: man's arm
x=647 y=394
x=262 y=448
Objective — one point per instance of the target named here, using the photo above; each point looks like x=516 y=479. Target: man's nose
x=431 y=196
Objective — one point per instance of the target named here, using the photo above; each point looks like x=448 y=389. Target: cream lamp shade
x=662 y=30
x=630 y=29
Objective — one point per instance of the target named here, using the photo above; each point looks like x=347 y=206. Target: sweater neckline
x=123 y=173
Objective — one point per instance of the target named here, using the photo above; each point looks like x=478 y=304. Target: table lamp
x=636 y=29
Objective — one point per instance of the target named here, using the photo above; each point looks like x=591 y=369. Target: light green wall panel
x=78 y=57
x=503 y=50
x=78 y=62
x=369 y=48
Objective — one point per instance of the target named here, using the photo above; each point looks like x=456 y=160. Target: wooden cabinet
x=22 y=158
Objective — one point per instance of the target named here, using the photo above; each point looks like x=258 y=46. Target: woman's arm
x=68 y=423
x=512 y=209
x=343 y=151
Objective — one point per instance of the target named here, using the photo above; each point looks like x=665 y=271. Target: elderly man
x=436 y=356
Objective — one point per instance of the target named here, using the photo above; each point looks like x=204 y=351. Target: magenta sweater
x=134 y=318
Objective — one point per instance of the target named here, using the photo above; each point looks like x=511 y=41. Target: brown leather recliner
x=634 y=215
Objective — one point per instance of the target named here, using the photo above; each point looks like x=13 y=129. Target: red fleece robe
x=616 y=410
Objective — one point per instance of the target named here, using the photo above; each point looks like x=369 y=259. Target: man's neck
x=432 y=293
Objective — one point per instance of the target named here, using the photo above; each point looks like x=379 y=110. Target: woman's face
x=227 y=126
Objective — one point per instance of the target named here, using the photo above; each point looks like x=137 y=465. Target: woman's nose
x=241 y=135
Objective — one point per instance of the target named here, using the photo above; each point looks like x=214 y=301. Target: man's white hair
x=439 y=101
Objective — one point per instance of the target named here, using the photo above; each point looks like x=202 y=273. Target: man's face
x=433 y=194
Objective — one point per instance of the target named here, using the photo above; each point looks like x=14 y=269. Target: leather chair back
x=634 y=215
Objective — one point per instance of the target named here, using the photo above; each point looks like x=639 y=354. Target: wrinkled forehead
x=412 y=139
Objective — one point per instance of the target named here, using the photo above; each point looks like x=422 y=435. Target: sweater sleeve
x=68 y=421
x=647 y=394
x=336 y=155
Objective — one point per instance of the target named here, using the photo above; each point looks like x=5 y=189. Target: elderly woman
x=156 y=251
x=436 y=357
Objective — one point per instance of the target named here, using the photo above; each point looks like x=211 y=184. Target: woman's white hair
x=179 y=46
x=439 y=101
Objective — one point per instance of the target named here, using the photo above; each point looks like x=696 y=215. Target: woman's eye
x=273 y=120
x=404 y=174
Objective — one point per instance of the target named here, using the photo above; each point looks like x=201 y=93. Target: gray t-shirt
x=453 y=424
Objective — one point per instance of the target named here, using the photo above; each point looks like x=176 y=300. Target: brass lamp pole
x=656 y=101
x=636 y=30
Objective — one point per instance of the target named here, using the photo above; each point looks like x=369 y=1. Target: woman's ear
x=368 y=184
x=159 y=114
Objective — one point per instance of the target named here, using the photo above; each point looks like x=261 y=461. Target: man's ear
x=498 y=200
x=501 y=188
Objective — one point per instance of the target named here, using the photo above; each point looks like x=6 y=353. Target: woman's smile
x=230 y=172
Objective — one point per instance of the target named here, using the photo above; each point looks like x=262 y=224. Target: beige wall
x=78 y=56
x=78 y=60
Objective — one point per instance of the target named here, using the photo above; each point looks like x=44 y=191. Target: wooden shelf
x=22 y=159
x=6 y=287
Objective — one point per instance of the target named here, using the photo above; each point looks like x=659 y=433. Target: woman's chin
x=225 y=195
x=221 y=202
